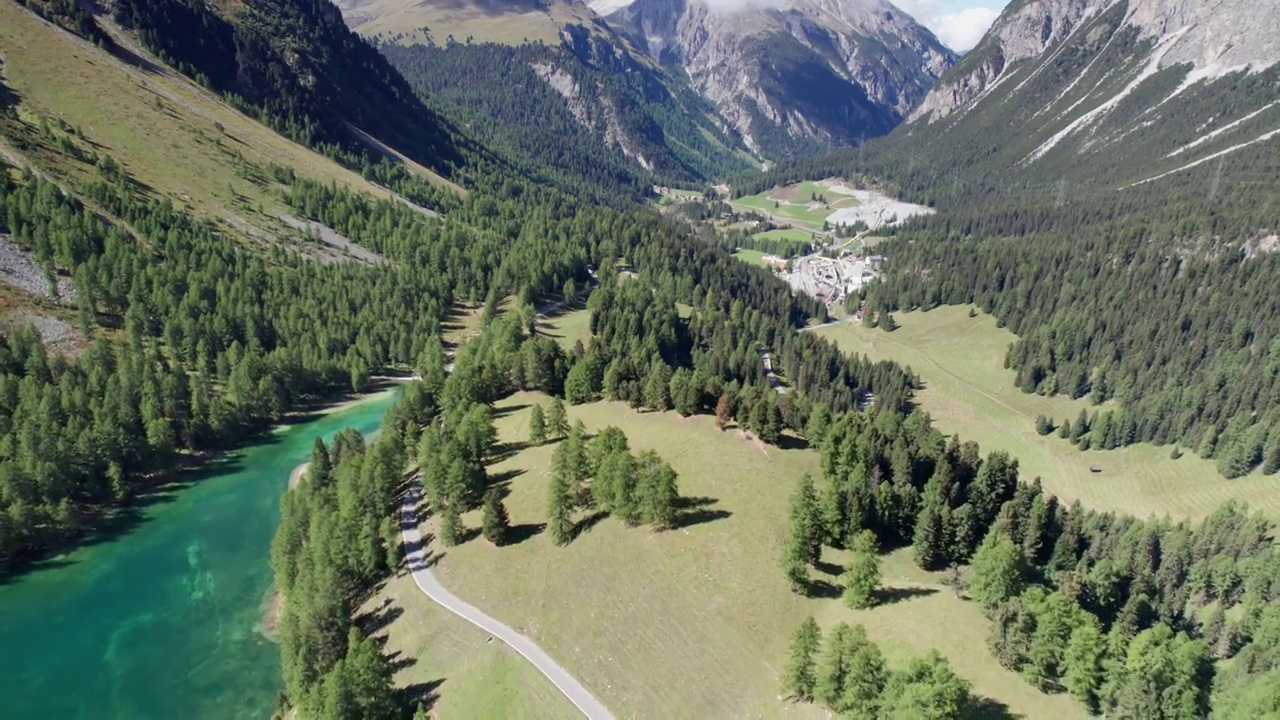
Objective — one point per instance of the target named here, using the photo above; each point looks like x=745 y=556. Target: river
x=165 y=620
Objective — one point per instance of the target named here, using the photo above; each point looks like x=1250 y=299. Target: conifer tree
x=557 y=419
x=495 y=523
x=724 y=411
x=561 y=498
x=927 y=689
x=861 y=579
x=997 y=572
x=658 y=492
x=1083 y=670
x=865 y=678
x=799 y=677
x=928 y=542
x=451 y=524
x=833 y=666
x=805 y=542
x=537 y=426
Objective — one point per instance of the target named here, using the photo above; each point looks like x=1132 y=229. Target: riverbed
x=165 y=620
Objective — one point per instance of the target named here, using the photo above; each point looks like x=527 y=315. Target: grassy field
x=755 y=257
x=796 y=235
x=438 y=655
x=696 y=621
x=967 y=390
x=793 y=202
x=567 y=327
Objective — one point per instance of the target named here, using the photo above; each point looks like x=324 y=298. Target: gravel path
x=416 y=556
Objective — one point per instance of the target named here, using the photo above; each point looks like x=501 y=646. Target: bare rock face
x=1213 y=36
x=788 y=72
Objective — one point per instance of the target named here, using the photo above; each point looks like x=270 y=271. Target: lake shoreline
x=273 y=603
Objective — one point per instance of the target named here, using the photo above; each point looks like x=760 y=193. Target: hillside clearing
x=694 y=622
x=967 y=390
x=567 y=327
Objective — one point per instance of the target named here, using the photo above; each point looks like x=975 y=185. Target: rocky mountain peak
x=792 y=73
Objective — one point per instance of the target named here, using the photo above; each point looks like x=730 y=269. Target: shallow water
x=165 y=620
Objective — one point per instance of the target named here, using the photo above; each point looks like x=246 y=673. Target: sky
x=959 y=24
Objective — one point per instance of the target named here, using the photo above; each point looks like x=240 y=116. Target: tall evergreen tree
x=495 y=524
x=537 y=426
x=997 y=572
x=799 y=677
x=861 y=579
x=557 y=419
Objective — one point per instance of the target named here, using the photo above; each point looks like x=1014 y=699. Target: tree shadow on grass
x=817 y=588
x=889 y=596
x=378 y=619
x=792 y=442
x=398 y=661
x=826 y=568
x=503 y=479
x=517 y=534
x=985 y=708
x=585 y=524
x=508 y=410
x=419 y=694
x=505 y=451
x=696 y=511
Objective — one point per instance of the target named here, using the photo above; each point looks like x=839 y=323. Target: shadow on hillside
x=985 y=708
x=517 y=534
x=585 y=524
x=697 y=511
x=792 y=442
x=379 y=618
x=889 y=596
x=821 y=589
x=506 y=451
x=508 y=410
x=417 y=695
x=827 y=568
x=503 y=479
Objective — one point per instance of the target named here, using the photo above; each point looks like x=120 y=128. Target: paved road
x=415 y=554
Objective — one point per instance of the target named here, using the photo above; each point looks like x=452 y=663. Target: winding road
x=416 y=556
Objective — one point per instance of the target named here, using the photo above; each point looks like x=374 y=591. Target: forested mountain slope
x=556 y=91
x=1111 y=193
x=798 y=76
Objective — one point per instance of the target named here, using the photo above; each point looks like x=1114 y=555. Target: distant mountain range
x=775 y=80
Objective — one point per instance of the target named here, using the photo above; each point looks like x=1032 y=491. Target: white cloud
x=962 y=30
x=957 y=29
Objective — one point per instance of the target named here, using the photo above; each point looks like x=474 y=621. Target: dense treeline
x=217 y=341
x=1189 y=342
x=847 y=673
x=337 y=536
x=1157 y=295
x=1072 y=593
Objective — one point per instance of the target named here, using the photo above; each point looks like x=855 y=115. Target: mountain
x=556 y=90
x=794 y=76
x=435 y=21
x=1090 y=91
x=1105 y=175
